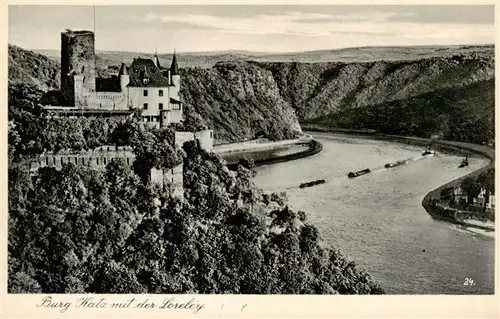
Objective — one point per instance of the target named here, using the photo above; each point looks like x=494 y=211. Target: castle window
x=145 y=92
x=145 y=106
x=211 y=134
x=160 y=106
x=160 y=93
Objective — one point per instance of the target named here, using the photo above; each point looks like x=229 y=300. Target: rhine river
x=377 y=220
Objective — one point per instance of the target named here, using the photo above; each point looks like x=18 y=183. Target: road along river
x=378 y=221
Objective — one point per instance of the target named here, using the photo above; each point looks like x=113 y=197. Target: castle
x=144 y=85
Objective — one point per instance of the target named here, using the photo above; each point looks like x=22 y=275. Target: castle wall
x=105 y=100
x=176 y=113
x=98 y=158
x=205 y=138
x=102 y=156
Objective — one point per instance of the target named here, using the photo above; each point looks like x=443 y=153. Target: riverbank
x=430 y=200
x=313 y=147
x=305 y=146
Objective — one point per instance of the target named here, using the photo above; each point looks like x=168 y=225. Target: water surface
x=377 y=219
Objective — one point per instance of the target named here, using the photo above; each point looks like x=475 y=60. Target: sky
x=252 y=28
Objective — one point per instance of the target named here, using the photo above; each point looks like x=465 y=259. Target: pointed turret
x=124 y=78
x=174 y=69
x=156 y=60
x=123 y=70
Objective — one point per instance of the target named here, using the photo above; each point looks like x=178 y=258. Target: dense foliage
x=29 y=68
x=79 y=230
x=465 y=114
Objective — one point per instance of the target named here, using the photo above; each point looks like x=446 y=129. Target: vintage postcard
x=249 y=160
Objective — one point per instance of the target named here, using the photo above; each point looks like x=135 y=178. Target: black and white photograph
x=250 y=150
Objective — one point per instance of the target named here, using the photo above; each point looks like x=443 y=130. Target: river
x=377 y=220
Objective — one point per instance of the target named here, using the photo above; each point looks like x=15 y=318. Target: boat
x=427 y=151
x=465 y=162
x=398 y=163
x=358 y=173
x=313 y=183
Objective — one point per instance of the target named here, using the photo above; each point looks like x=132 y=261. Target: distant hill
x=241 y=95
x=360 y=54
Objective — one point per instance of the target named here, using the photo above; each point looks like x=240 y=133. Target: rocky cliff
x=239 y=99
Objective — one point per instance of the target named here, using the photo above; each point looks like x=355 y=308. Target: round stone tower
x=77 y=58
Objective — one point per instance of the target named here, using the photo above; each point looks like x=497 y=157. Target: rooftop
x=141 y=68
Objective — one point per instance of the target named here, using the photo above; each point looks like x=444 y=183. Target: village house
x=459 y=195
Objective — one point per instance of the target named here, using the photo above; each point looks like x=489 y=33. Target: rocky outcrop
x=240 y=100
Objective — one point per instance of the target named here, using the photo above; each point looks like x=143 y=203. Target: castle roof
x=174 y=68
x=123 y=70
x=141 y=68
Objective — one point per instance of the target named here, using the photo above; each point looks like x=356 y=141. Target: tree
x=471 y=187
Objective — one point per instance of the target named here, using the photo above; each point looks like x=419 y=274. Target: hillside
x=241 y=99
x=461 y=114
x=26 y=67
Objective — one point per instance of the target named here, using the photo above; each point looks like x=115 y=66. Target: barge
x=313 y=183
x=358 y=173
x=391 y=165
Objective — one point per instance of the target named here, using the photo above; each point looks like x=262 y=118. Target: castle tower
x=124 y=78
x=77 y=58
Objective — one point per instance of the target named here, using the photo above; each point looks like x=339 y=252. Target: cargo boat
x=465 y=162
x=391 y=165
x=313 y=183
x=358 y=173
x=427 y=151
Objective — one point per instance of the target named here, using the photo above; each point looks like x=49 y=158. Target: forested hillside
x=80 y=230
